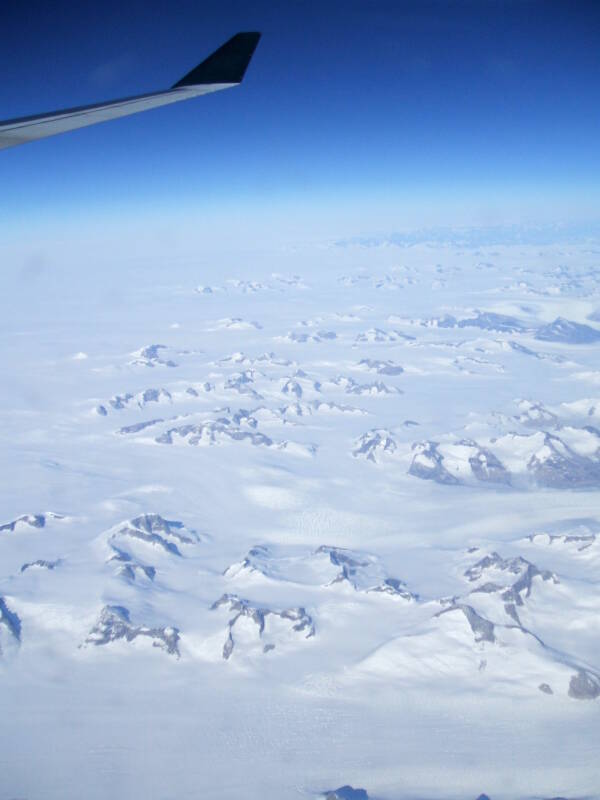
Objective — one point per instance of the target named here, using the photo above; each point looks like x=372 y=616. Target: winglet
x=226 y=65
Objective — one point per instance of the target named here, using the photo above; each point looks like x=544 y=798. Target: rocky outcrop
x=381 y=367
x=299 y=621
x=149 y=356
x=566 y=331
x=153 y=529
x=363 y=572
x=428 y=464
x=114 y=623
x=10 y=621
x=40 y=564
x=30 y=520
x=375 y=443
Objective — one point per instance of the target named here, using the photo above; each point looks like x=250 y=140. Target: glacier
x=314 y=517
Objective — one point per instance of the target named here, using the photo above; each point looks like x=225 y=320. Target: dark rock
x=447 y=321
x=428 y=464
x=512 y=595
x=41 y=563
x=114 y=623
x=393 y=586
x=568 y=332
x=301 y=621
x=33 y=520
x=154 y=523
x=485 y=466
x=211 y=432
x=358 y=571
x=584 y=686
x=10 y=620
x=292 y=387
x=149 y=356
x=489 y=321
x=482 y=628
x=346 y=793
x=139 y=426
x=120 y=401
x=155 y=396
x=381 y=367
x=520 y=348
x=130 y=566
x=155 y=530
x=563 y=468
x=375 y=442
x=326 y=335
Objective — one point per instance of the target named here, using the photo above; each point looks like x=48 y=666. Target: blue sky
x=363 y=114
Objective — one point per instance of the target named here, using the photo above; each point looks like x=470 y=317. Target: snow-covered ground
x=317 y=517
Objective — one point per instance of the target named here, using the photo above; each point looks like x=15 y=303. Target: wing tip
x=228 y=64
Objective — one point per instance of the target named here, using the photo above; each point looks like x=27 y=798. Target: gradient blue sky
x=376 y=113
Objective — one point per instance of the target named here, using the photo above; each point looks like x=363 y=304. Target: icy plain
x=312 y=518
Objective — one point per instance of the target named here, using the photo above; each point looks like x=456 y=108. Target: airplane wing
x=221 y=70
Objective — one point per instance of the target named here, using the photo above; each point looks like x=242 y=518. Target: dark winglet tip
x=228 y=64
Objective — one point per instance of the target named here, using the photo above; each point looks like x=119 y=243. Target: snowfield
x=332 y=522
